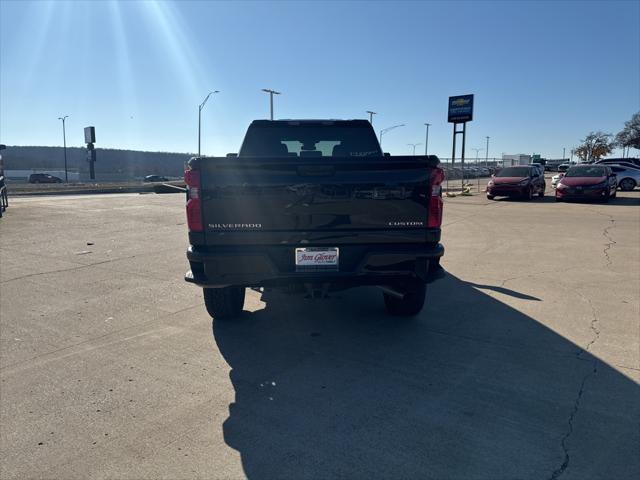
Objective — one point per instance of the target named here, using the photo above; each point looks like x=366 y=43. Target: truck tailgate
x=292 y=199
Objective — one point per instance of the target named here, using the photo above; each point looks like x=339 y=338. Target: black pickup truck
x=313 y=206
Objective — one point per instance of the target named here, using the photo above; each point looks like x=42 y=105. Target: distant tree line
x=129 y=163
x=599 y=144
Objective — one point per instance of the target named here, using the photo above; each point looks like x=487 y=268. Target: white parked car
x=628 y=177
x=555 y=179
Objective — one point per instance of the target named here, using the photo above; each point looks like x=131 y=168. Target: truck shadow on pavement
x=472 y=388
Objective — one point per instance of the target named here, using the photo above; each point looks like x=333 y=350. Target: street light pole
x=414 y=145
x=385 y=130
x=486 y=154
x=426 y=142
x=478 y=150
x=200 y=107
x=271 y=94
x=371 y=114
x=64 y=141
x=563 y=150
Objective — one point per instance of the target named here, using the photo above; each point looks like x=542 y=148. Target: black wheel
x=490 y=197
x=541 y=192
x=410 y=304
x=529 y=195
x=627 y=184
x=615 y=193
x=558 y=199
x=606 y=197
x=225 y=302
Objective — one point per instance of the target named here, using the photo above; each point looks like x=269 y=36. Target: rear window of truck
x=310 y=140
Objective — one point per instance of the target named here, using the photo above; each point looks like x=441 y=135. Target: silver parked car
x=628 y=177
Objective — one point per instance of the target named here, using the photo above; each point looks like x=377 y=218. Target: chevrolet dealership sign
x=461 y=109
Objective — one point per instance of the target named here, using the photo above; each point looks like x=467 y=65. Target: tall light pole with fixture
x=200 y=107
x=371 y=114
x=426 y=142
x=563 y=150
x=478 y=150
x=385 y=130
x=64 y=140
x=486 y=154
x=414 y=145
x=271 y=94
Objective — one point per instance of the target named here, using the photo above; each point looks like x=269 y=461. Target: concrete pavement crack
x=593 y=325
x=45 y=273
x=576 y=405
x=79 y=267
x=609 y=244
x=610 y=241
x=533 y=274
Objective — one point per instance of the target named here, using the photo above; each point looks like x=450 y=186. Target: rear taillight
x=435 y=201
x=194 y=207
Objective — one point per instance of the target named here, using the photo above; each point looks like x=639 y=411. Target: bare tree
x=595 y=146
x=629 y=136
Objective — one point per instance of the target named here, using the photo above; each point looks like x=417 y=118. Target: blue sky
x=544 y=73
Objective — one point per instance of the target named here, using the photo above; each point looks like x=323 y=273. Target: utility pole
x=200 y=107
x=64 y=140
x=478 y=150
x=271 y=94
x=426 y=142
x=371 y=114
x=385 y=130
x=563 y=151
x=414 y=145
x=486 y=154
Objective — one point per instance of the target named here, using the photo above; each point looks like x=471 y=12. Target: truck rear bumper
x=275 y=266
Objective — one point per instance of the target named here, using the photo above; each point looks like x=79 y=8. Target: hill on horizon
x=124 y=163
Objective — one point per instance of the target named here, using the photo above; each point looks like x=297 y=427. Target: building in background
x=518 y=159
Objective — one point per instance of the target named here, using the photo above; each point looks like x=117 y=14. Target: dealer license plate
x=317 y=258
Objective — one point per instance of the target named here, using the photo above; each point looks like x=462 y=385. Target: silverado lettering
x=235 y=225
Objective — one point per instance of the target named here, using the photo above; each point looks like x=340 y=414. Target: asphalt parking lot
x=524 y=364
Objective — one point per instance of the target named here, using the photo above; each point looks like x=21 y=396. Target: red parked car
x=587 y=182
x=523 y=181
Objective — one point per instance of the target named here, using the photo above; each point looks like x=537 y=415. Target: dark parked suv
x=524 y=181
x=43 y=178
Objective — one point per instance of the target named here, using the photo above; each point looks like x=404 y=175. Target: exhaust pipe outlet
x=392 y=292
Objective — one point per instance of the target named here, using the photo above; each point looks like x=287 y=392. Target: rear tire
x=529 y=195
x=490 y=197
x=412 y=302
x=224 y=303
x=541 y=192
x=627 y=184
